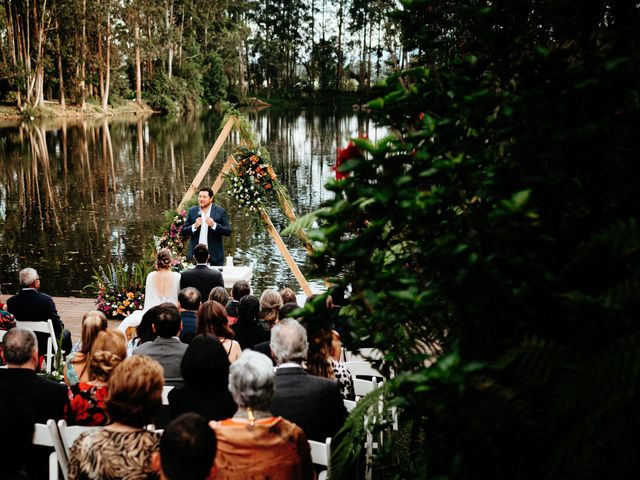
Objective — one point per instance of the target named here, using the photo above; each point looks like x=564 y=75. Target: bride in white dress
x=162 y=286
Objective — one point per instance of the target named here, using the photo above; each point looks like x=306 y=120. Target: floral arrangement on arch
x=252 y=178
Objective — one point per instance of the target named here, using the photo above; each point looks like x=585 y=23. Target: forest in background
x=178 y=54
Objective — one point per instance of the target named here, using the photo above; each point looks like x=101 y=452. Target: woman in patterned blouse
x=123 y=449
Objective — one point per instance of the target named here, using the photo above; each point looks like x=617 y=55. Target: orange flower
x=126 y=303
x=253 y=159
x=267 y=186
x=130 y=295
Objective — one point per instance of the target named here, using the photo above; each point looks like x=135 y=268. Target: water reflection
x=78 y=193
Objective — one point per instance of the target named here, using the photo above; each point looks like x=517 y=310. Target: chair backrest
x=61 y=454
x=321 y=453
x=69 y=434
x=42 y=436
x=2 y=332
x=165 y=394
x=363 y=387
x=363 y=354
x=52 y=344
x=349 y=405
x=361 y=368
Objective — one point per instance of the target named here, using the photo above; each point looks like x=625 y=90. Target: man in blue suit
x=207 y=223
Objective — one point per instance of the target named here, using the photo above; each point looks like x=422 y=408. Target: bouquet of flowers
x=119 y=302
x=252 y=179
x=120 y=289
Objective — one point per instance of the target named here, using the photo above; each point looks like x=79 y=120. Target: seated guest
x=254 y=443
x=313 y=403
x=212 y=319
x=144 y=331
x=75 y=368
x=16 y=429
x=240 y=289
x=320 y=363
x=248 y=330
x=167 y=349
x=188 y=305
x=187 y=449
x=288 y=296
x=30 y=305
x=286 y=309
x=124 y=448
x=220 y=295
x=270 y=305
x=201 y=277
x=43 y=398
x=205 y=369
x=87 y=399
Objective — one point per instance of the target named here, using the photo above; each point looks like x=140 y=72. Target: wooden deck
x=71 y=310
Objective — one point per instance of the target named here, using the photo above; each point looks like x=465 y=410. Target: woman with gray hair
x=254 y=443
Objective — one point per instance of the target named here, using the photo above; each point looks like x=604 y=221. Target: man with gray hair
x=42 y=399
x=312 y=403
x=30 y=305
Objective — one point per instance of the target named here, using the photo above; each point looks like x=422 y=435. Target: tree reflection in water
x=79 y=193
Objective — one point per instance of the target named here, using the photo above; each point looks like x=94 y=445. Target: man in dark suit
x=201 y=277
x=207 y=223
x=188 y=304
x=41 y=399
x=30 y=305
x=312 y=403
x=166 y=349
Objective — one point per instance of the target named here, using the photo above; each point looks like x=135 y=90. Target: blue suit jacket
x=214 y=237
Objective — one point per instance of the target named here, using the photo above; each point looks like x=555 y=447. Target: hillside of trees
x=178 y=54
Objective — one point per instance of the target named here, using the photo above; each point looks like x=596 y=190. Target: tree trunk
x=138 y=68
x=83 y=92
x=60 y=73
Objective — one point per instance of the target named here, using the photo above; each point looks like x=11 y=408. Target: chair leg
x=53 y=466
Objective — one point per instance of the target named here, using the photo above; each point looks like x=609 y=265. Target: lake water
x=79 y=194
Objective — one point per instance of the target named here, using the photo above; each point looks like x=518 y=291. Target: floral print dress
x=86 y=405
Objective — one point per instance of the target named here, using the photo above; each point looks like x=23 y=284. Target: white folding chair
x=69 y=434
x=41 y=436
x=61 y=454
x=52 y=343
x=363 y=387
x=321 y=455
x=2 y=332
x=165 y=394
x=362 y=368
x=349 y=405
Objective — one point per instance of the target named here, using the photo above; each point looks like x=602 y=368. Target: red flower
x=344 y=154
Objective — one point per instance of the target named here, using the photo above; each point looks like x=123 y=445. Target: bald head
x=20 y=347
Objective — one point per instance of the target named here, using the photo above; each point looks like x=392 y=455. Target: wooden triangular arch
x=229 y=164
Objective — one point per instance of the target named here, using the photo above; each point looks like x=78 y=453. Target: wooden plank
x=285 y=253
x=207 y=162
x=229 y=164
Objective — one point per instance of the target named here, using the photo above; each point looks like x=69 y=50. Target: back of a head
x=288 y=341
x=144 y=331
x=270 y=303
x=187 y=448
x=164 y=261
x=201 y=253
x=240 y=289
x=252 y=380
x=248 y=309
x=19 y=345
x=167 y=320
x=288 y=296
x=212 y=319
x=27 y=276
x=286 y=309
x=189 y=298
x=93 y=322
x=135 y=391
x=205 y=363
x=109 y=349
x=220 y=295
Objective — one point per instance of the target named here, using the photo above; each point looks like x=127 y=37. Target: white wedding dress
x=161 y=287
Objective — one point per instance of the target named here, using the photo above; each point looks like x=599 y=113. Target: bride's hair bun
x=164 y=259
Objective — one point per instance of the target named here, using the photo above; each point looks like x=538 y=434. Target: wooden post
x=285 y=253
x=230 y=163
x=208 y=161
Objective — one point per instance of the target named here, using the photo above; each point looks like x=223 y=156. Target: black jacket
x=203 y=278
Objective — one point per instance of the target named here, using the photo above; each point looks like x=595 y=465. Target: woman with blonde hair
x=212 y=320
x=124 y=448
x=87 y=399
x=75 y=369
x=270 y=303
x=161 y=286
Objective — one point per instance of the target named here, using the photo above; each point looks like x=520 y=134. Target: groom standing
x=206 y=223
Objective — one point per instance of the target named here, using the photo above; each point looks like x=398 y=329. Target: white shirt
x=204 y=228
